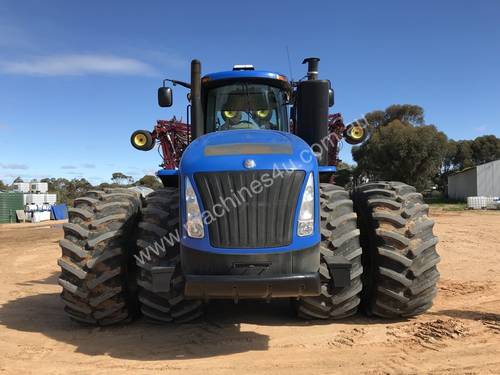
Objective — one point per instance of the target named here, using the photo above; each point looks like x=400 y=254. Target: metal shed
x=482 y=180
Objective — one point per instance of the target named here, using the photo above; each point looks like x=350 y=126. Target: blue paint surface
x=242 y=74
x=301 y=158
x=327 y=168
x=168 y=172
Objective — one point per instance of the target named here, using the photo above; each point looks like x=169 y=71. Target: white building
x=482 y=180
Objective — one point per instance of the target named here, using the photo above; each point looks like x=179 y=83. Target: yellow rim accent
x=140 y=140
x=230 y=114
x=357 y=132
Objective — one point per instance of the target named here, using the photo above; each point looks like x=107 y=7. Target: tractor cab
x=249 y=99
x=245 y=99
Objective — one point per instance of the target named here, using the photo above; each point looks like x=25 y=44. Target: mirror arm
x=176 y=82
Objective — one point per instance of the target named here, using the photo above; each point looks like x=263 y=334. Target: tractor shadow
x=276 y=313
x=226 y=328
x=49 y=280
x=43 y=313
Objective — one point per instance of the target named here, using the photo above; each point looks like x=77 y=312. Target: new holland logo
x=249 y=163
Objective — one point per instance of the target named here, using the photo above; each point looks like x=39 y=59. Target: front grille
x=245 y=219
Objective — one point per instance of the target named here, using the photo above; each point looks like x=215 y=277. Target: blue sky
x=77 y=78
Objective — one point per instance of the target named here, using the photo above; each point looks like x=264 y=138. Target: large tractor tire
x=339 y=236
x=158 y=246
x=399 y=250
x=97 y=268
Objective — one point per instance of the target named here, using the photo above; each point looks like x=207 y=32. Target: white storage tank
x=50 y=198
x=39 y=187
x=40 y=216
x=40 y=198
x=475 y=203
x=483 y=201
x=22 y=187
x=478 y=203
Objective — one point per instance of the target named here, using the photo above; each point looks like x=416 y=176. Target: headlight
x=306 y=214
x=194 y=223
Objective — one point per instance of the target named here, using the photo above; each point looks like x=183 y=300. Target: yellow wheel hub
x=140 y=140
x=357 y=132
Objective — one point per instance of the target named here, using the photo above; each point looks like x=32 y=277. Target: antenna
x=289 y=63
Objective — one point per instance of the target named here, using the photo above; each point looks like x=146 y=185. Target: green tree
x=485 y=149
x=67 y=190
x=448 y=165
x=17 y=180
x=78 y=187
x=401 y=148
x=120 y=178
x=450 y=152
x=3 y=186
x=105 y=185
x=406 y=113
x=150 y=181
x=344 y=174
x=468 y=153
x=463 y=155
x=376 y=118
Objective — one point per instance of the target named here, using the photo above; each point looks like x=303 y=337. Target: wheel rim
x=140 y=140
x=357 y=132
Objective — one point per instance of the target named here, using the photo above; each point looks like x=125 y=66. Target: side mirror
x=165 y=97
x=331 y=98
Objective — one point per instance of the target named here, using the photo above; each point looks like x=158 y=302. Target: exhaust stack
x=196 y=110
x=312 y=109
x=312 y=67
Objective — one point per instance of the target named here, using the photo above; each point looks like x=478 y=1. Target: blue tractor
x=249 y=210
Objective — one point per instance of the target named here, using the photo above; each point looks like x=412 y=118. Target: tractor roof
x=246 y=74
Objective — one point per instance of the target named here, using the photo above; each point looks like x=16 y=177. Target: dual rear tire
x=158 y=246
x=399 y=250
x=108 y=254
x=97 y=269
x=339 y=237
x=393 y=253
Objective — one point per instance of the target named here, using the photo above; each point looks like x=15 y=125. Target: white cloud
x=481 y=129
x=77 y=64
x=68 y=167
x=13 y=166
x=88 y=165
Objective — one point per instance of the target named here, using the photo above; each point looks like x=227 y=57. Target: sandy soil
x=459 y=335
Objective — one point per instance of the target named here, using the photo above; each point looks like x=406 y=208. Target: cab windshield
x=246 y=106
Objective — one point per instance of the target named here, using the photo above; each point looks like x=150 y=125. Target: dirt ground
x=459 y=335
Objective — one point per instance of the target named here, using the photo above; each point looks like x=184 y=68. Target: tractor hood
x=229 y=151
x=258 y=153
